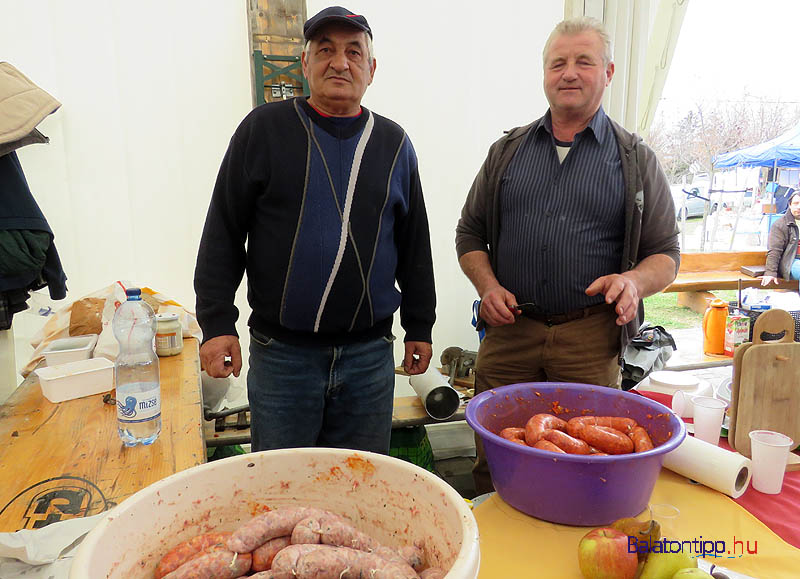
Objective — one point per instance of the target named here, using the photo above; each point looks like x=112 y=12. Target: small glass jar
x=169 y=335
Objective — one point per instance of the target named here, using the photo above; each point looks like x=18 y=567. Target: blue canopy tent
x=781 y=152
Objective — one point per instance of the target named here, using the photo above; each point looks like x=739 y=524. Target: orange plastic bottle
x=714 y=327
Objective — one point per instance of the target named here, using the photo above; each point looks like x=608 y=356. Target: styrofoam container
x=70 y=349
x=394 y=501
x=76 y=379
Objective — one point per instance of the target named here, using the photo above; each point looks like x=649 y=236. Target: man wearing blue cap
x=320 y=201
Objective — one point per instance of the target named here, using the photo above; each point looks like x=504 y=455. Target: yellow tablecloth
x=515 y=545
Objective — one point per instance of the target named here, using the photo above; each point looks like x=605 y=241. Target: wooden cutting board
x=767 y=395
x=737 y=375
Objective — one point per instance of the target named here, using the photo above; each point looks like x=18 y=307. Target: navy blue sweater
x=289 y=180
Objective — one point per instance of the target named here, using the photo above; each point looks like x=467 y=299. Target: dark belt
x=556 y=319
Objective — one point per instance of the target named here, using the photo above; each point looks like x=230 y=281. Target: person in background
x=783 y=246
x=568 y=225
x=320 y=201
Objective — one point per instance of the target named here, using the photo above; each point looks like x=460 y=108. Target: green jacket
x=650 y=225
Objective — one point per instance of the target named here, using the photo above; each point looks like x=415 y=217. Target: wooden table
x=61 y=461
x=690 y=355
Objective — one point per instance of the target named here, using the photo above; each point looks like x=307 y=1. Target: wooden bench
x=701 y=272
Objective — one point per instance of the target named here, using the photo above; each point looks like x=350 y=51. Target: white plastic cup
x=708 y=415
x=769 y=450
x=682 y=404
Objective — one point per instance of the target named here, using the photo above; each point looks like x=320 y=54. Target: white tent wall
x=151 y=93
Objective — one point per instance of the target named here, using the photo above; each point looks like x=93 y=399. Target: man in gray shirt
x=568 y=225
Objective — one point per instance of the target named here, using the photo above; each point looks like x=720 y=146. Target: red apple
x=603 y=554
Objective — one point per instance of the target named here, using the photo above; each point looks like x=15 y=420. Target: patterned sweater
x=325 y=218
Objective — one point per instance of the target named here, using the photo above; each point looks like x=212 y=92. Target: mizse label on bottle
x=140 y=406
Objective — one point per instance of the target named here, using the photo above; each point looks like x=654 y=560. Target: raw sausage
x=213 y=564
x=566 y=442
x=514 y=434
x=547 y=445
x=323 y=561
x=263 y=556
x=186 y=550
x=607 y=439
x=266 y=526
x=641 y=440
x=342 y=534
x=538 y=423
x=575 y=428
x=624 y=425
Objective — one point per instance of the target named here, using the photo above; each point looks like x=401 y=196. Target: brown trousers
x=584 y=351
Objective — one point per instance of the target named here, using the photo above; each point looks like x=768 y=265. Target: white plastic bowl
x=70 y=349
x=394 y=501
x=76 y=379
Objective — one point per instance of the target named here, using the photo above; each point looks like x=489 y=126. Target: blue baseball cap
x=334 y=14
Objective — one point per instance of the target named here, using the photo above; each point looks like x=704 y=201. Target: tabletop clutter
x=572 y=454
x=610 y=489
x=75 y=366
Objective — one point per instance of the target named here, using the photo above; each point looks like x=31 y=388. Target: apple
x=665 y=565
x=692 y=573
x=603 y=554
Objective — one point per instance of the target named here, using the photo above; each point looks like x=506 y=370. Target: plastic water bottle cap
x=133 y=291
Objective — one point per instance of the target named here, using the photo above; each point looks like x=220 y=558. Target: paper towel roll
x=438 y=397
x=717 y=468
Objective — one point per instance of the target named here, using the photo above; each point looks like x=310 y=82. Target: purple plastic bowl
x=572 y=489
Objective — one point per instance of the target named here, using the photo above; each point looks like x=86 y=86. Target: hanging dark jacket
x=20 y=212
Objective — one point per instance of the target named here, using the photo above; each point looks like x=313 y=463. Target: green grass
x=663 y=310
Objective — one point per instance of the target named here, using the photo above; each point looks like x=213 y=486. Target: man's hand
x=497 y=306
x=618 y=288
x=497 y=303
x=768 y=279
x=214 y=352
x=418 y=356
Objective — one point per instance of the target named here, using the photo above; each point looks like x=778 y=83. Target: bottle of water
x=136 y=372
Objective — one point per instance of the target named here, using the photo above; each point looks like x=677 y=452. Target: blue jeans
x=795 y=273
x=333 y=396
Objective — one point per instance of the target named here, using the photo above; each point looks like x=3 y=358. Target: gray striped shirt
x=562 y=224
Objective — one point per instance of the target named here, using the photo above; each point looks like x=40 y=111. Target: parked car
x=691 y=201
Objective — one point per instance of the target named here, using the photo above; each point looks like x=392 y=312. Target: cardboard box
x=737 y=331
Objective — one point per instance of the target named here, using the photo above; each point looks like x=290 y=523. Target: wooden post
x=276 y=27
